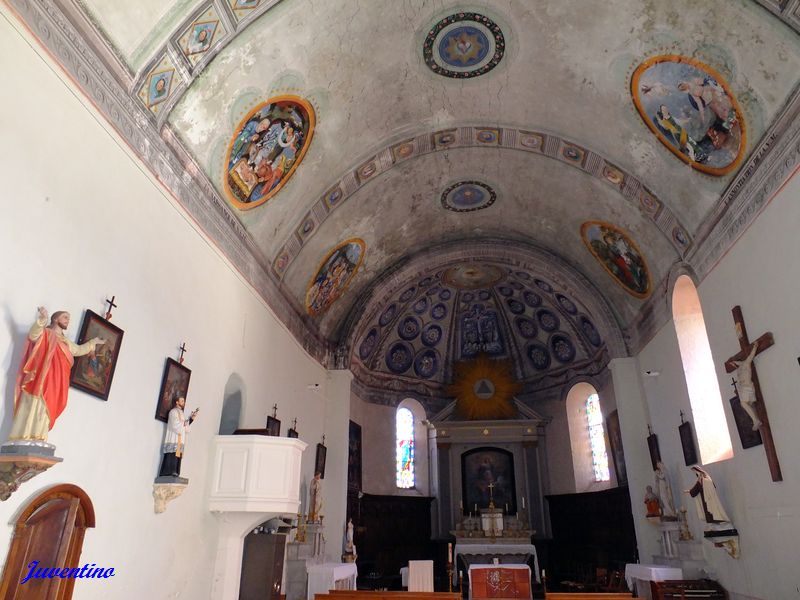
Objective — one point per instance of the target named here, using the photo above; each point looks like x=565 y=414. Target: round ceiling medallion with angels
x=464 y=45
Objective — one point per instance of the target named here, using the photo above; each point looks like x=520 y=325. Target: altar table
x=497 y=551
x=331 y=576
x=638 y=577
x=490 y=582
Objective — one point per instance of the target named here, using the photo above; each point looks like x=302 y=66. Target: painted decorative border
x=630 y=241
x=544 y=144
x=676 y=58
x=338 y=292
x=309 y=135
x=467 y=17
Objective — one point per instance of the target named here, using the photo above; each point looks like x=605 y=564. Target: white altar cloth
x=497 y=550
x=638 y=577
x=331 y=576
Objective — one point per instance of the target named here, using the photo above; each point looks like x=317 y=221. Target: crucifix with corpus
x=748 y=390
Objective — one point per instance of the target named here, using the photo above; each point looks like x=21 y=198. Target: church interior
x=503 y=287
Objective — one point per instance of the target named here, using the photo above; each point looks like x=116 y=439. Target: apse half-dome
x=412 y=337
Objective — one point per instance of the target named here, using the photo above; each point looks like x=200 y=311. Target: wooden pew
x=386 y=595
x=587 y=595
x=684 y=589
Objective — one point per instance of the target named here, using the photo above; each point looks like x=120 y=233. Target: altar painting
x=481 y=468
x=267 y=146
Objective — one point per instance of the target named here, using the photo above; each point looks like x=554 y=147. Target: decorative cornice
x=787 y=11
x=769 y=165
x=165 y=158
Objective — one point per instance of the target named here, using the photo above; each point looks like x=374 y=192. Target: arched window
x=713 y=436
x=587 y=438
x=404 y=436
x=597 y=438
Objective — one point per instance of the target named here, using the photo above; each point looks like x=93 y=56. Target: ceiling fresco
x=340 y=142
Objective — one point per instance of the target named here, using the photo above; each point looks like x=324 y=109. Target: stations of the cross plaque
x=742 y=364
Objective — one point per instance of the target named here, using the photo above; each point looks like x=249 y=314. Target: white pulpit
x=254 y=478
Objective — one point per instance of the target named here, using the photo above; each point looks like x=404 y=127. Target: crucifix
x=491 y=495
x=111 y=306
x=275 y=410
x=747 y=387
x=182 y=348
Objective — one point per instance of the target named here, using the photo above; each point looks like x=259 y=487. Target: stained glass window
x=404 y=427
x=597 y=438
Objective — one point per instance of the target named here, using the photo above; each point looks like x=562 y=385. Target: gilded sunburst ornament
x=484 y=389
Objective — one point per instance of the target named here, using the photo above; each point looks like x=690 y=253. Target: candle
x=476 y=508
x=543 y=575
x=506 y=507
x=523 y=503
x=449 y=553
x=461 y=504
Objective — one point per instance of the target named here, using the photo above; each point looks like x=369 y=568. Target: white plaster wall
x=378 y=459
x=760 y=273
x=82 y=221
x=558 y=447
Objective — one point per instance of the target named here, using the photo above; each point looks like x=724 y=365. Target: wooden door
x=50 y=530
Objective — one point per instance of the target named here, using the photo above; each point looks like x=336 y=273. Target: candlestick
x=449 y=552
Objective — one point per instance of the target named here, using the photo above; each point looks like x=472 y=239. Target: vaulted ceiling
x=361 y=147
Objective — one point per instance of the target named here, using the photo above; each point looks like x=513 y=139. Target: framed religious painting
x=354 y=458
x=174 y=384
x=744 y=425
x=617 y=452
x=94 y=372
x=292 y=433
x=487 y=477
x=655 y=451
x=319 y=461
x=687 y=443
x=273 y=426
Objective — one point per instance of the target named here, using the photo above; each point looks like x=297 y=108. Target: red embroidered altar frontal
x=500 y=582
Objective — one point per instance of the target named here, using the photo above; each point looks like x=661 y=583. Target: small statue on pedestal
x=652 y=503
x=350 y=554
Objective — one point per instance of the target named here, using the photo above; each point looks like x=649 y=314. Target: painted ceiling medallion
x=619 y=255
x=267 y=146
x=471 y=276
x=692 y=111
x=334 y=275
x=484 y=389
x=464 y=45
x=468 y=196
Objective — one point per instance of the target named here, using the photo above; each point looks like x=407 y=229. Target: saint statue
x=315 y=498
x=652 y=503
x=709 y=507
x=664 y=491
x=40 y=393
x=349 y=546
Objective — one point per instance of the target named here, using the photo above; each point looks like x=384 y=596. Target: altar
x=477 y=552
x=506 y=582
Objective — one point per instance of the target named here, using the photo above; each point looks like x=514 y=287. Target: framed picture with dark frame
x=273 y=426
x=687 y=443
x=655 y=451
x=292 y=433
x=319 y=461
x=617 y=452
x=174 y=384
x=744 y=425
x=354 y=457
x=94 y=372
x=484 y=467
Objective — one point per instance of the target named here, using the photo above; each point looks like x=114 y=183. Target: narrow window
x=597 y=439
x=404 y=427
x=711 y=426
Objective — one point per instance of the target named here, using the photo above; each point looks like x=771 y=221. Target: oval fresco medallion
x=619 y=255
x=399 y=357
x=692 y=111
x=408 y=294
x=266 y=148
x=562 y=348
x=532 y=299
x=426 y=363
x=445 y=294
x=464 y=45
x=543 y=285
x=471 y=276
x=408 y=328
x=387 y=315
x=515 y=306
x=438 y=311
x=468 y=196
x=538 y=355
x=567 y=304
x=431 y=334
x=547 y=320
x=420 y=306
x=526 y=327
x=505 y=290
x=367 y=346
x=590 y=331
x=334 y=275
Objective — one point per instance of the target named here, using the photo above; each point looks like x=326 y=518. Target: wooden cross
x=275 y=410
x=294 y=424
x=762 y=343
x=183 y=349
x=111 y=306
